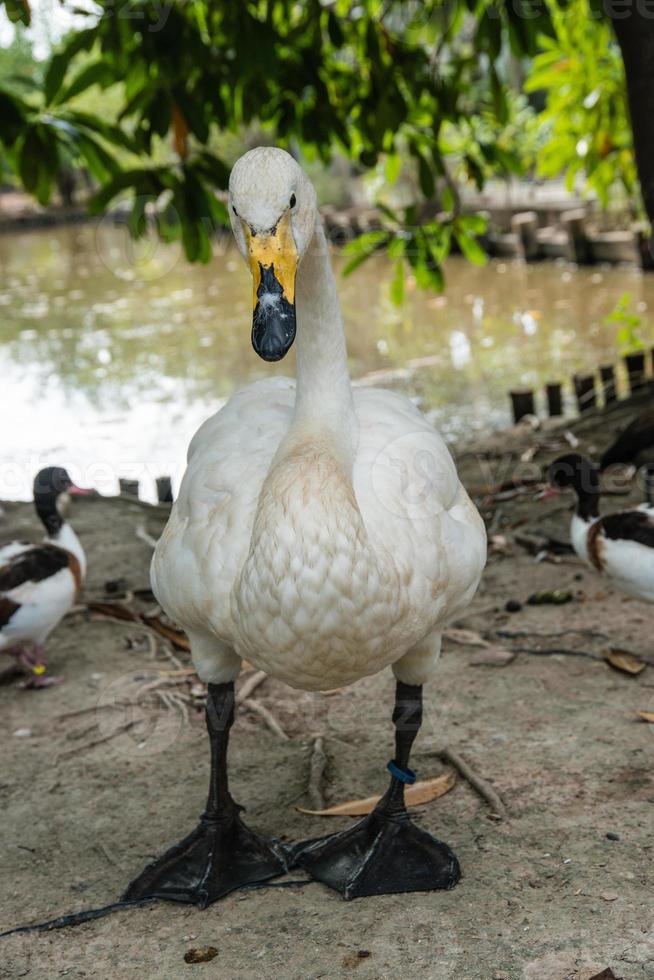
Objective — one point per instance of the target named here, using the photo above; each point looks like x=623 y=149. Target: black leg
x=385 y=853
x=221 y=854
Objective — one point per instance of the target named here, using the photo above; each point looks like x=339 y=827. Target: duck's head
x=53 y=489
x=272 y=207
x=576 y=472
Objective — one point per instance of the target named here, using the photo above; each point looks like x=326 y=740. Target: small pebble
x=609 y=896
x=23 y=733
x=513 y=606
x=612 y=836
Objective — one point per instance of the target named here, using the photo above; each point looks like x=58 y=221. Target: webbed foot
x=381 y=855
x=213 y=860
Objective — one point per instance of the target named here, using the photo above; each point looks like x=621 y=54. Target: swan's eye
x=292 y=202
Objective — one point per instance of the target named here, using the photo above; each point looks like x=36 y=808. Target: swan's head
x=272 y=207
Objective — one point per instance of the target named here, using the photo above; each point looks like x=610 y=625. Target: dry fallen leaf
x=421 y=792
x=200 y=954
x=352 y=960
x=624 y=660
x=467 y=638
x=646 y=716
x=492 y=657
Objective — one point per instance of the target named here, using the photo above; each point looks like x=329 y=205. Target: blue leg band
x=407 y=776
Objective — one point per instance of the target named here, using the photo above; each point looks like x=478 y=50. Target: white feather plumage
x=319 y=532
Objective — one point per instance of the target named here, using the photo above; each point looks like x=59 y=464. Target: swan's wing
x=413 y=502
x=206 y=539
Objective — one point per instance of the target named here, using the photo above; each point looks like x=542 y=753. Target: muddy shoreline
x=103 y=772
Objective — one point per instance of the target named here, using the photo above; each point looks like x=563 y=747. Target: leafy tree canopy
x=375 y=80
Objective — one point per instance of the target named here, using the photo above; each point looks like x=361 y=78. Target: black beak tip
x=271 y=353
x=272 y=335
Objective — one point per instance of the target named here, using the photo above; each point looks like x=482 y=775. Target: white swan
x=322 y=533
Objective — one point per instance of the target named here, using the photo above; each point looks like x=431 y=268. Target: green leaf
x=393 y=167
x=126 y=180
x=30 y=160
x=396 y=289
x=362 y=248
x=110 y=132
x=97 y=73
x=470 y=247
x=54 y=76
x=426 y=177
x=13 y=114
x=18 y=12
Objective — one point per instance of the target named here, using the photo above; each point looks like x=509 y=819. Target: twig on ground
x=572 y=632
x=81 y=732
x=172 y=700
x=99 y=846
x=478 y=783
x=143 y=535
x=555 y=651
x=166 y=648
x=97 y=741
x=91 y=707
x=267 y=716
x=317 y=768
x=250 y=685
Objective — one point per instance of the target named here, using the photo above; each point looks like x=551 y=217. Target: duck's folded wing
x=630 y=525
x=32 y=564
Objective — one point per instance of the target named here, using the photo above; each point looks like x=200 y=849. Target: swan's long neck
x=324 y=407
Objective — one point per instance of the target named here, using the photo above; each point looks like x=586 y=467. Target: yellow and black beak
x=273 y=262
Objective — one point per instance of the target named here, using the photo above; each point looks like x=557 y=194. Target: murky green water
x=113 y=352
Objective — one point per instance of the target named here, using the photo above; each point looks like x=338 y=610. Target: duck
x=322 y=534
x=619 y=545
x=39 y=582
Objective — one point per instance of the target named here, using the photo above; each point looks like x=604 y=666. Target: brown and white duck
x=620 y=545
x=39 y=582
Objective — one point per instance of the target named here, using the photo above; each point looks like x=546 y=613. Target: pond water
x=113 y=352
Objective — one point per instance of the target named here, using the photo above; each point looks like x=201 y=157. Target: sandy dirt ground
x=102 y=773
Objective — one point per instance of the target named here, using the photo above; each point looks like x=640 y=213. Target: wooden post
x=636 y=370
x=607 y=374
x=584 y=385
x=525 y=226
x=128 y=488
x=164 y=490
x=554 y=399
x=522 y=403
x=574 y=223
x=643 y=249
